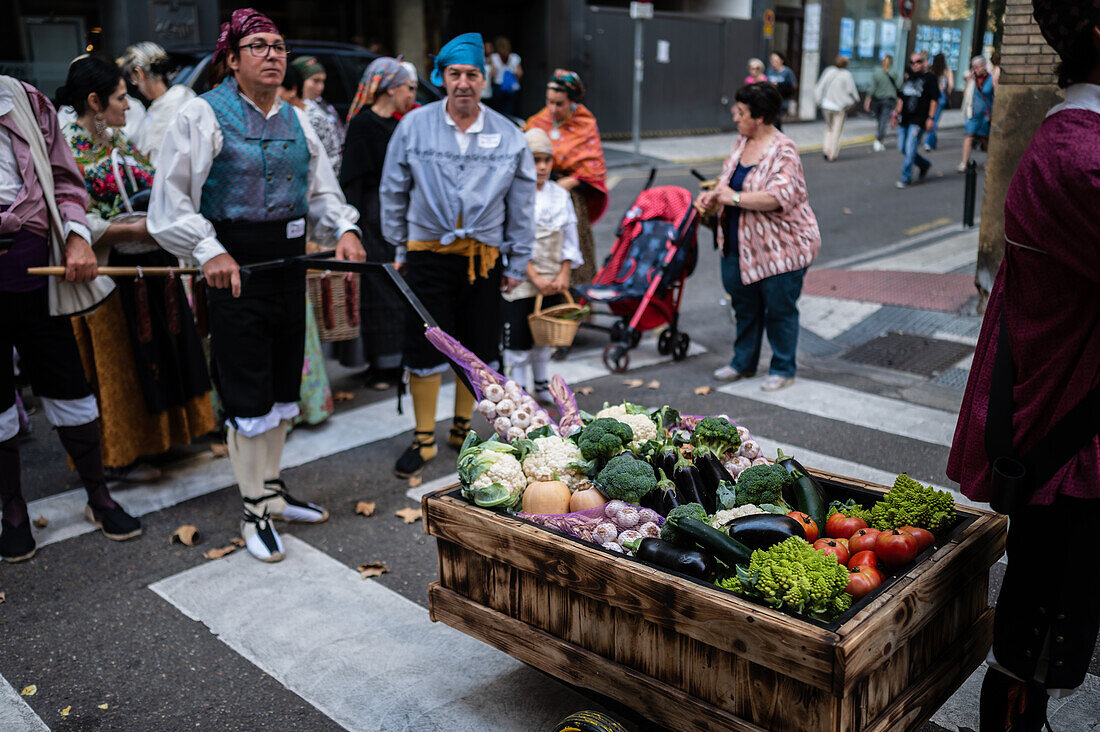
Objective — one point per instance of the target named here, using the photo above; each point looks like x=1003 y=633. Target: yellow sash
x=469 y=248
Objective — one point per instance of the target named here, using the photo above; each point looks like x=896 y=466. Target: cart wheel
x=665 y=341
x=680 y=351
x=615 y=358
x=589 y=722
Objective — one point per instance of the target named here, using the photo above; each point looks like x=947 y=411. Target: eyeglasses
x=916 y=60
x=261 y=50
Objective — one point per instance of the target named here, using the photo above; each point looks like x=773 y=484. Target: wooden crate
x=690 y=656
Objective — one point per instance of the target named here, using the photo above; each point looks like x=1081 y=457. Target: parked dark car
x=344 y=65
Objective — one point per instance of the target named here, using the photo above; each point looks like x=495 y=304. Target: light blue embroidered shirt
x=429 y=181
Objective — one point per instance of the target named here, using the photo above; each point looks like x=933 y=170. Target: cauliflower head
x=643 y=426
x=555 y=458
x=505 y=471
x=795 y=576
x=490 y=473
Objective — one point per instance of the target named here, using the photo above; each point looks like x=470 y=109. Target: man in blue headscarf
x=457 y=199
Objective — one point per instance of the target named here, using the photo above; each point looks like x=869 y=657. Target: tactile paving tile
x=923 y=290
x=893 y=318
x=914 y=354
x=953 y=378
x=814 y=345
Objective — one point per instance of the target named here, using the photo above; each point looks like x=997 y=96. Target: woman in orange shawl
x=578 y=158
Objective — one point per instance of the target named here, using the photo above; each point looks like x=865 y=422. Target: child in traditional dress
x=556 y=252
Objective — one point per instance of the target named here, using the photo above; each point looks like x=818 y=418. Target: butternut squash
x=546 y=497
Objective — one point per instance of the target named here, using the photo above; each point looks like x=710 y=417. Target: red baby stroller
x=642 y=280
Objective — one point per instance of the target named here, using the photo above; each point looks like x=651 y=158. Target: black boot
x=1010 y=705
x=16 y=542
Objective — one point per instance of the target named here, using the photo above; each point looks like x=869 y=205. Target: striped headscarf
x=382 y=74
x=568 y=82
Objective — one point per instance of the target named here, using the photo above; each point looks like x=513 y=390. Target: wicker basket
x=550 y=327
x=338 y=296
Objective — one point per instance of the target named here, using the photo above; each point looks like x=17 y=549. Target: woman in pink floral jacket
x=768 y=236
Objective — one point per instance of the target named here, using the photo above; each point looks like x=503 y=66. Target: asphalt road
x=80 y=622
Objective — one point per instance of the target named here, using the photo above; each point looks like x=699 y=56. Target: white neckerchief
x=11 y=181
x=463 y=138
x=1079 y=96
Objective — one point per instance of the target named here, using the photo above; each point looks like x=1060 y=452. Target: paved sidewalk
x=708 y=148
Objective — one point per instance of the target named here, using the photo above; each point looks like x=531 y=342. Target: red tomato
x=808 y=525
x=864 y=559
x=896 y=548
x=834 y=547
x=924 y=537
x=841 y=526
x=843 y=543
x=862 y=541
x=862 y=581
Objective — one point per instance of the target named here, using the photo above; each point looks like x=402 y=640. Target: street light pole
x=638 y=11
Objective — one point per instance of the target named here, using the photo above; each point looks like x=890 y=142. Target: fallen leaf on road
x=41 y=522
x=219 y=450
x=66 y=710
x=29 y=690
x=584 y=390
x=372 y=569
x=187 y=535
x=847 y=212
x=410 y=515
x=702 y=390
x=219 y=553
x=237 y=541
x=415 y=481
x=3 y=597
x=102 y=706
x=653 y=385
x=343 y=396
x=633 y=383
x=364 y=508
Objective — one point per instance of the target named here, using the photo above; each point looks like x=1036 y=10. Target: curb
x=808 y=148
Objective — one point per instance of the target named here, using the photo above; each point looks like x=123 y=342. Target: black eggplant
x=712 y=472
x=762 y=530
x=666 y=457
x=664 y=495
x=729 y=551
x=692 y=562
x=808 y=495
x=689 y=484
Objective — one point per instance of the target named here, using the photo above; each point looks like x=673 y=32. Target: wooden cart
x=691 y=656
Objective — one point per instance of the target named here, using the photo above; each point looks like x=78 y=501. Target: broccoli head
x=762 y=485
x=909 y=503
x=794 y=575
x=714 y=435
x=670 y=531
x=626 y=478
x=603 y=439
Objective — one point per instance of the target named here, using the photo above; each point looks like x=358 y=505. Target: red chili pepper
x=328 y=317
x=172 y=304
x=351 y=299
x=144 y=322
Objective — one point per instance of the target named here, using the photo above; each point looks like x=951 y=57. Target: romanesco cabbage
x=909 y=503
x=795 y=576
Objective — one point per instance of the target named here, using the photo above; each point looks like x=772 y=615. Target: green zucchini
x=808 y=495
x=728 y=551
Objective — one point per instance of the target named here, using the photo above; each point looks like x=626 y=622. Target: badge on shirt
x=296 y=228
x=491 y=139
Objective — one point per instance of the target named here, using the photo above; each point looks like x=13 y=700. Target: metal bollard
x=970 y=194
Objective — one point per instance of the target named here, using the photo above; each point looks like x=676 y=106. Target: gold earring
x=100 y=125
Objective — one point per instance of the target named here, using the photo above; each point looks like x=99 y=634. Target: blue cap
x=467 y=48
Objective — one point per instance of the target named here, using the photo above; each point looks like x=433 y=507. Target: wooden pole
x=121 y=271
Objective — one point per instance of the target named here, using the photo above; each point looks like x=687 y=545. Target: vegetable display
x=603 y=439
x=763 y=486
x=626 y=478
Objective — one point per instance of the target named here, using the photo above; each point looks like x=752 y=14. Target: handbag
x=509 y=84
x=1014 y=477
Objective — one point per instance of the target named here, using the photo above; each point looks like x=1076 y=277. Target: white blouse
x=193 y=140
x=554 y=210
x=153 y=128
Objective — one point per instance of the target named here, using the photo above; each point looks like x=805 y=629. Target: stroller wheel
x=618 y=331
x=635 y=337
x=665 y=341
x=616 y=358
x=680 y=350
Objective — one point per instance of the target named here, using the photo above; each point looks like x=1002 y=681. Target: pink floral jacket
x=773 y=242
